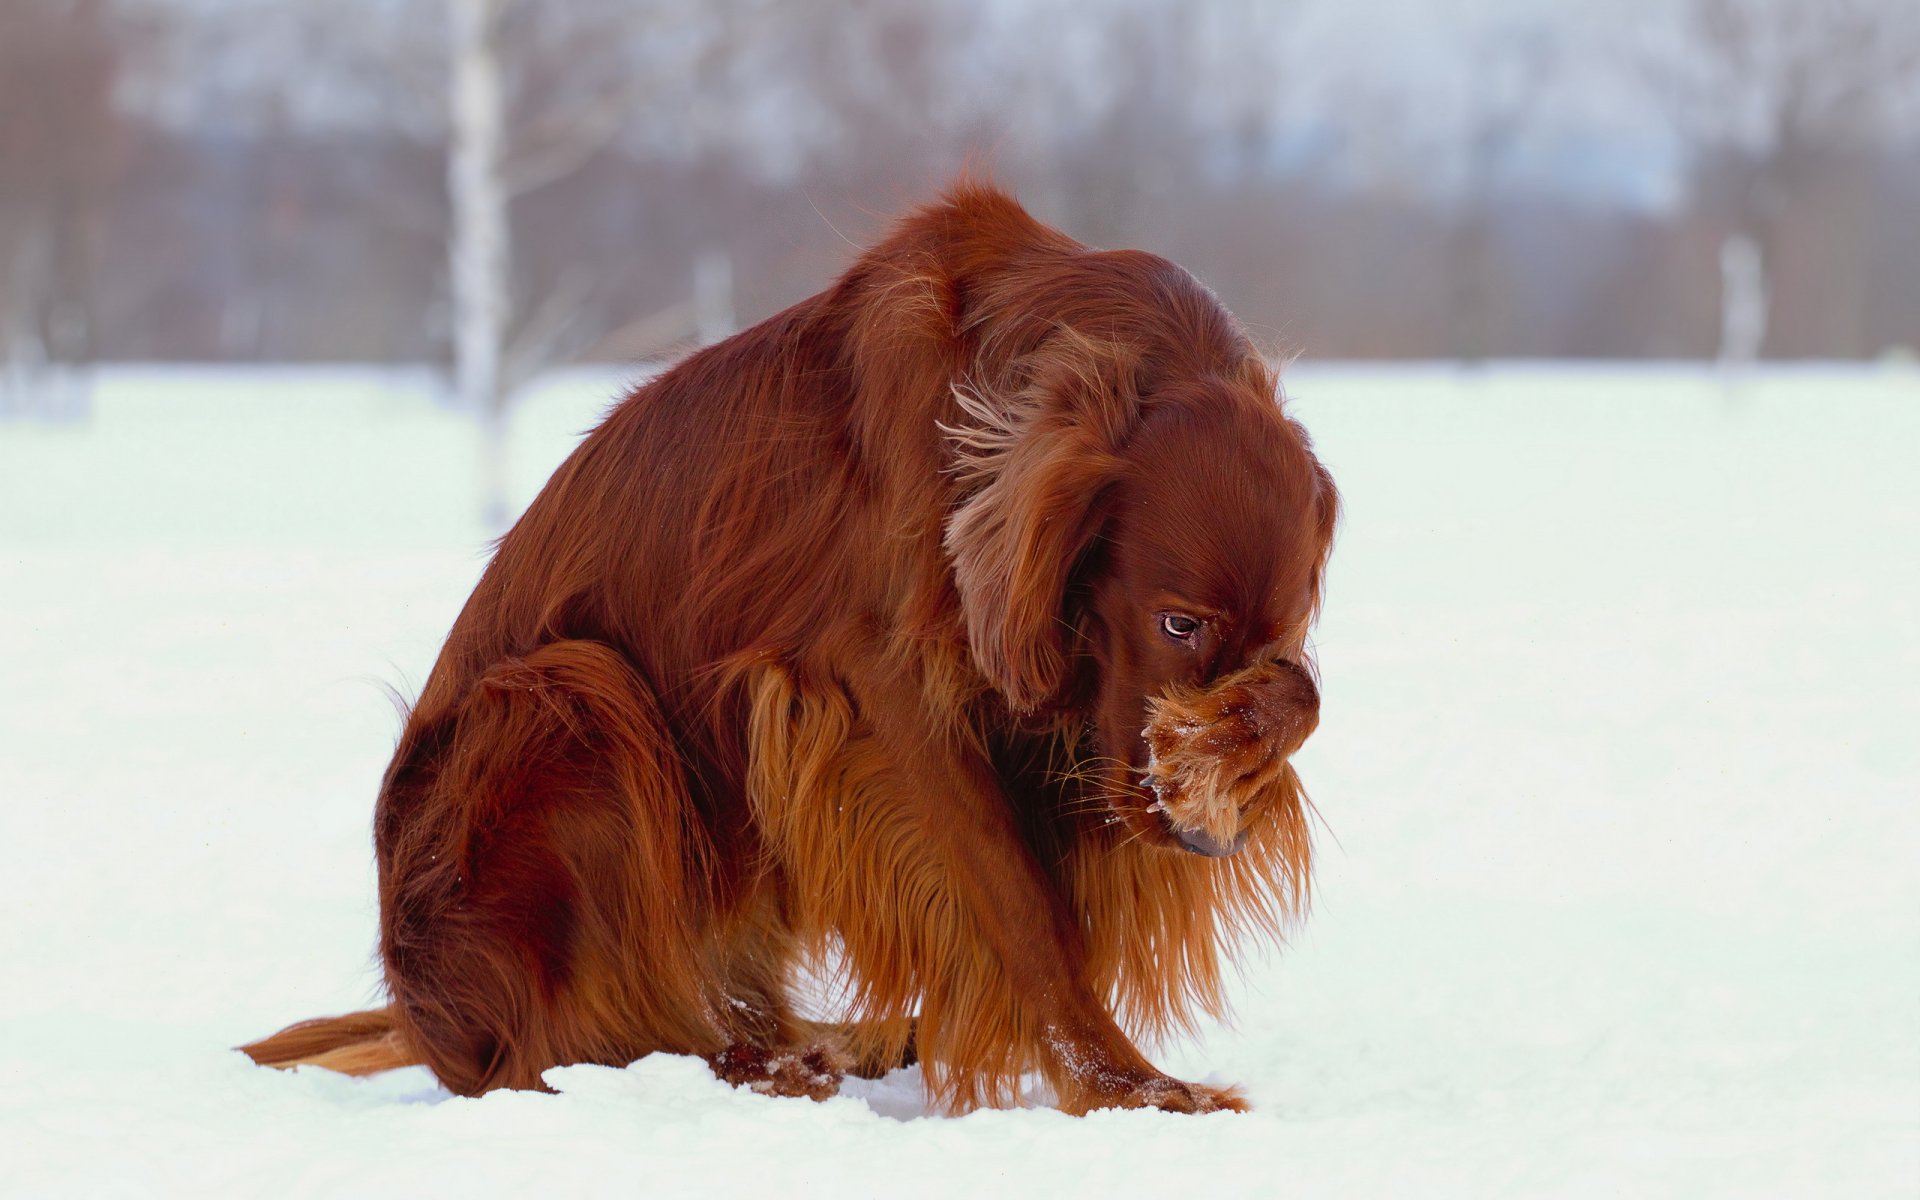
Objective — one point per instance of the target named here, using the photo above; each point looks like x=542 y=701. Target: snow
x=1618 y=771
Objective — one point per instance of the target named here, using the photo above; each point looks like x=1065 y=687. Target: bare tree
x=1762 y=94
x=533 y=95
x=517 y=96
x=1501 y=93
x=477 y=245
x=59 y=136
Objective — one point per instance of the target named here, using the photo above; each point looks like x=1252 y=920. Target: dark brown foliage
x=932 y=625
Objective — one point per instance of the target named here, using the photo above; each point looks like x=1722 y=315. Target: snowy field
x=1620 y=765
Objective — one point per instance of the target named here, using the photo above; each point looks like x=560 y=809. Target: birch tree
x=477 y=240
x=533 y=94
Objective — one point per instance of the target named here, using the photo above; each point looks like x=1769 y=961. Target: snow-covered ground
x=1620 y=765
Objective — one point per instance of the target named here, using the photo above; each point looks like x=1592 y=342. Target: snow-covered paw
x=811 y=1071
x=1172 y=1095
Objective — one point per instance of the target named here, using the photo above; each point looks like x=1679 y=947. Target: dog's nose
x=1284 y=704
x=1298 y=682
x=1201 y=842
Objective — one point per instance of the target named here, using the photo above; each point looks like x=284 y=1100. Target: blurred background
x=515 y=184
x=1603 y=315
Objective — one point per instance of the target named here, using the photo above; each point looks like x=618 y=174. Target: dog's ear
x=1033 y=467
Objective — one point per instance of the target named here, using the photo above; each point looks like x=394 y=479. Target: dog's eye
x=1179 y=626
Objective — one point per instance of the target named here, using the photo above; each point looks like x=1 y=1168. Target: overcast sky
x=1391 y=92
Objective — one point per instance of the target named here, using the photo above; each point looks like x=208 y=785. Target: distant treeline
x=285 y=248
x=168 y=191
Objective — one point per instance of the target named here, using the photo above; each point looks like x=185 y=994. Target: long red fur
x=809 y=653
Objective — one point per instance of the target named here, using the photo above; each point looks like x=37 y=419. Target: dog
x=950 y=627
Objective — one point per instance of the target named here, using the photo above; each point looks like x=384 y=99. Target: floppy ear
x=1037 y=463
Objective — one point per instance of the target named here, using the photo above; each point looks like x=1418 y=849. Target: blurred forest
x=280 y=180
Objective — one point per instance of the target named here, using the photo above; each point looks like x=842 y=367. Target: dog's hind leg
x=543 y=877
x=773 y=1050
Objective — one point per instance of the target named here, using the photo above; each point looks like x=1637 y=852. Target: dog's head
x=1140 y=545
x=1201 y=598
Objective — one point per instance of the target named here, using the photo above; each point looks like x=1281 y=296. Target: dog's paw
x=811 y=1071
x=1172 y=1095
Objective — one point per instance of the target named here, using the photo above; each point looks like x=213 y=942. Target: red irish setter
x=950 y=625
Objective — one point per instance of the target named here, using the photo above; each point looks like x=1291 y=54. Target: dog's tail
x=362 y=1043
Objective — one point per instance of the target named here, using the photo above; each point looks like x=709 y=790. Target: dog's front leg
x=940 y=899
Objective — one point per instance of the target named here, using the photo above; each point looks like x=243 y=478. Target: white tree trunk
x=24 y=353
x=1743 y=302
x=479 y=250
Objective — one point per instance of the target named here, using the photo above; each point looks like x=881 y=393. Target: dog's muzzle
x=1214 y=752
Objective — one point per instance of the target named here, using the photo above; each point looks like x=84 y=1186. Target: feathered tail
x=362 y=1043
